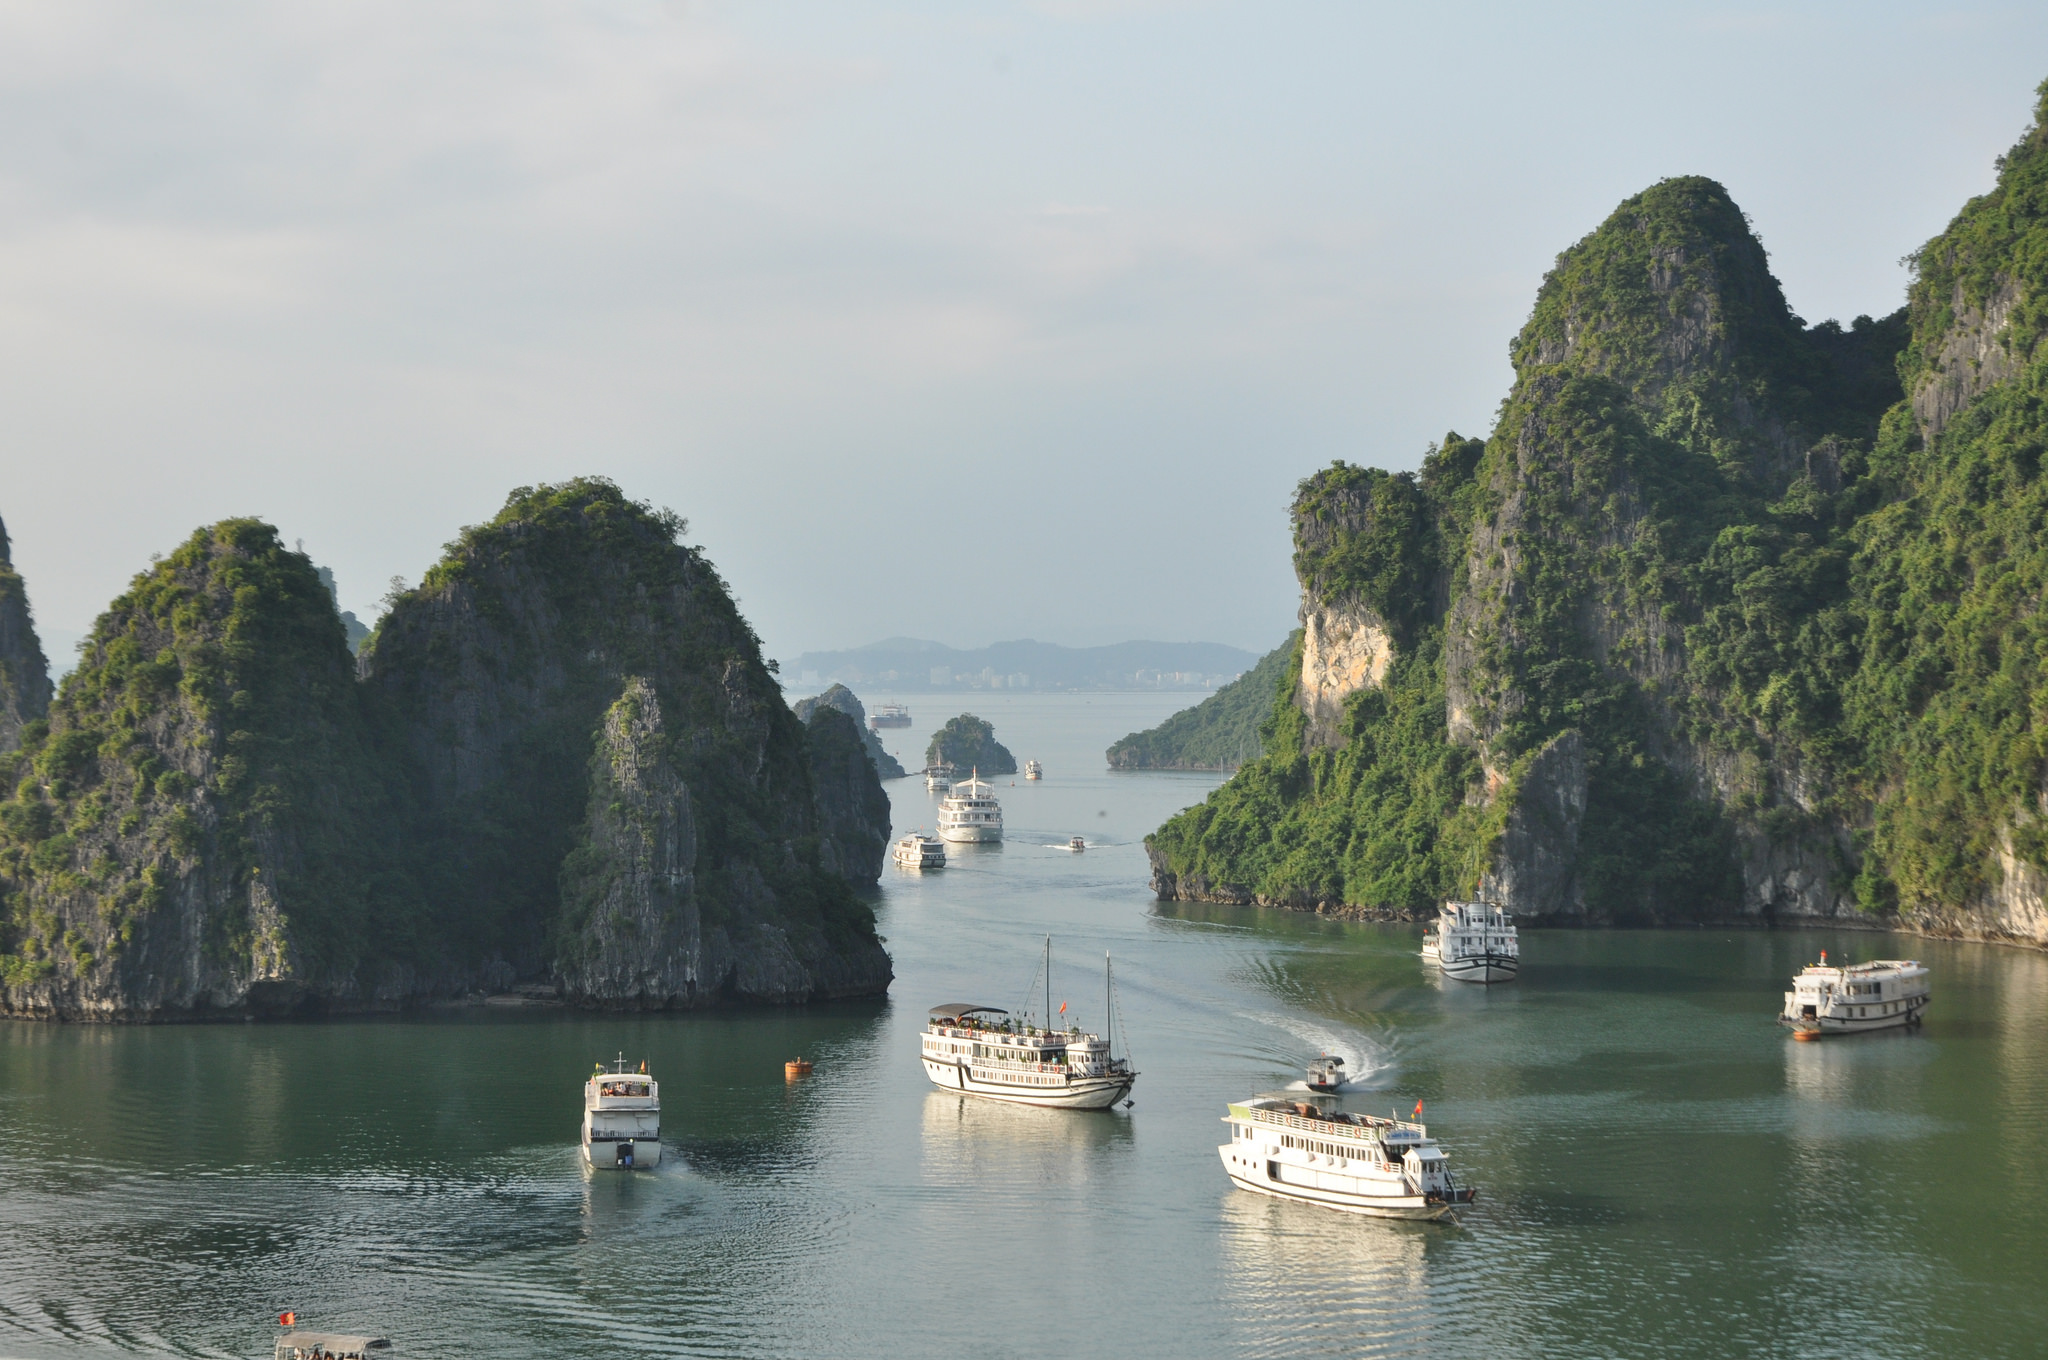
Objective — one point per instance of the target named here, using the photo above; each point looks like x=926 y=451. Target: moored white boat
x=622 y=1117
x=984 y=1051
x=1853 y=998
x=1362 y=1164
x=970 y=813
x=919 y=851
x=1474 y=942
x=938 y=778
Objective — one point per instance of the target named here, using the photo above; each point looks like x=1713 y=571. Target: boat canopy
x=955 y=1009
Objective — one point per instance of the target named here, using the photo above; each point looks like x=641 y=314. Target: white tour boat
x=1474 y=942
x=938 y=778
x=299 y=1344
x=1033 y=770
x=918 y=851
x=1360 y=1163
x=622 y=1117
x=981 y=1051
x=969 y=812
x=1851 y=998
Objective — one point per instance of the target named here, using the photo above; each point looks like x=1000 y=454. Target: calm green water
x=1662 y=1173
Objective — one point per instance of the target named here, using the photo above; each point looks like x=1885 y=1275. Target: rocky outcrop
x=853 y=812
x=969 y=743
x=1974 y=356
x=24 y=671
x=635 y=934
x=205 y=830
x=1221 y=732
x=847 y=702
x=564 y=763
x=503 y=663
x=1344 y=649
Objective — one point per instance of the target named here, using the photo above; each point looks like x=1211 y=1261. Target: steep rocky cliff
x=847 y=702
x=1732 y=617
x=563 y=759
x=24 y=671
x=497 y=671
x=204 y=827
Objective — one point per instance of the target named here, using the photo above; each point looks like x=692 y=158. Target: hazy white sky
x=959 y=321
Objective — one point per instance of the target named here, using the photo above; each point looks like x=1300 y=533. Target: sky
x=949 y=320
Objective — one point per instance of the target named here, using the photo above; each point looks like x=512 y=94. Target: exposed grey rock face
x=844 y=699
x=635 y=934
x=1535 y=863
x=24 y=671
x=853 y=812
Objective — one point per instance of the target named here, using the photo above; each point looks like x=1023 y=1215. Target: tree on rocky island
x=969 y=743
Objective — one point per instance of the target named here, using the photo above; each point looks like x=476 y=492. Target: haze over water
x=1661 y=1171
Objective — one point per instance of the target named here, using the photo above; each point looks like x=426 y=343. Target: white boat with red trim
x=1362 y=1164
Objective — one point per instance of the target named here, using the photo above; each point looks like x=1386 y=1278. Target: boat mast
x=1048 y=982
x=1108 y=1018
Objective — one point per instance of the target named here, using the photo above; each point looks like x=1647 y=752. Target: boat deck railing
x=1372 y=1125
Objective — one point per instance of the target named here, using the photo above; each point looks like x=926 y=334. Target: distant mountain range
x=913 y=664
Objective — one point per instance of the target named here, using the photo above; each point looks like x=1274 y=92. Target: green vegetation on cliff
x=1783 y=583
x=24 y=672
x=969 y=743
x=1220 y=733
x=209 y=749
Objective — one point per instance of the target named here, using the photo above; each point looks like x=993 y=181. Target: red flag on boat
x=1063 y=1008
x=1418 y=1109
x=287 y=1319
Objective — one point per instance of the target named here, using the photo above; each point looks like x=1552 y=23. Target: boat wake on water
x=1368 y=1065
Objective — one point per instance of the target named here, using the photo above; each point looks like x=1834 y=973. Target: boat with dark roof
x=984 y=1051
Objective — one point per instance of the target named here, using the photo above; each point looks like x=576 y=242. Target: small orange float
x=1806 y=1035
x=796 y=1067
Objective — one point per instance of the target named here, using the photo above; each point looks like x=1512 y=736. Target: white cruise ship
x=622 y=1117
x=1851 y=998
x=983 y=1051
x=1474 y=942
x=918 y=851
x=1033 y=770
x=969 y=812
x=1359 y=1163
x=938 y=778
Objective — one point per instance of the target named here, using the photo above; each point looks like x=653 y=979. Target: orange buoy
x=796 y=1067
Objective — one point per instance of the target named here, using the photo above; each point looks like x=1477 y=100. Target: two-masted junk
x=622 y=1117
x=984 y=1051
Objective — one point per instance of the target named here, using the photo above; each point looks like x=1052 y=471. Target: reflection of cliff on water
x=1306 y=1280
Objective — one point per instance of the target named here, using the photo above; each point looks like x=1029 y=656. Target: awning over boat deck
x=953 y=1010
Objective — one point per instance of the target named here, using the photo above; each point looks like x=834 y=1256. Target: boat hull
x=1087 y=1093
x=633 y=1154
x=1255 y=1174
x=971 y=835
x=1913 y=1012
x=1481 y=968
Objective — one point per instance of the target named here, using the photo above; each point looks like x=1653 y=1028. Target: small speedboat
x=1326 y=1074
x=1077 y=844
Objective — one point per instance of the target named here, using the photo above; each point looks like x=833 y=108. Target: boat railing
x=1372 y=1126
